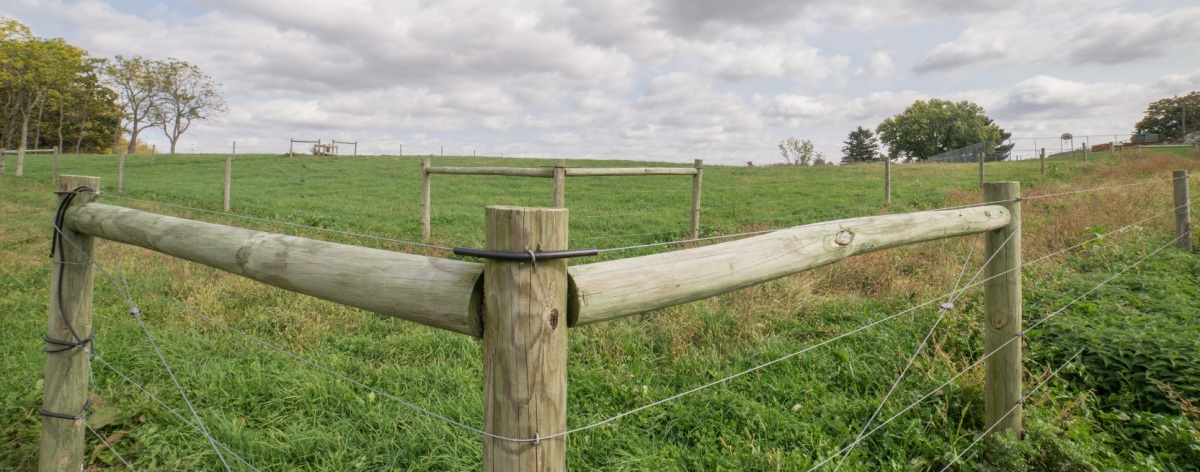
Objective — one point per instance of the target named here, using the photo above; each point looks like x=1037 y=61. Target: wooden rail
x=559 y=172
x=608 y=290
x=441 y=293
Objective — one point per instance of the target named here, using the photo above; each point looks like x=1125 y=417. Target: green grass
x=1124 y=406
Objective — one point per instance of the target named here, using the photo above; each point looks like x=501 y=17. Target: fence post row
x=1002 y=314
x=65 y=400
x=525 y=341
x=1183 y=213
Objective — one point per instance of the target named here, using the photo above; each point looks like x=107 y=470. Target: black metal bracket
x=527 y=256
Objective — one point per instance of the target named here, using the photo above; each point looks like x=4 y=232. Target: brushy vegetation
x=1131 y=401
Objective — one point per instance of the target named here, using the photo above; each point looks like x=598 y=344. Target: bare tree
x=136 y=81
x=186 y=94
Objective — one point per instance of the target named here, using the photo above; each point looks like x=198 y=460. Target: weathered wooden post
x=1085 y=151
x=425 y=199
x=121 y=173
x=2 y=159
x=697 y=181
x=54 y=168
x=1043 y=158
x=1002 y=314
x=560 y=183
x=20 y=161
x=1183 y=213
x=525 y=341
x=981 y=170
x=887 y=179
x=68 y=366
x=228 y=179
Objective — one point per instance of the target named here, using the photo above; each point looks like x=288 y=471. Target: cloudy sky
x=671 y=80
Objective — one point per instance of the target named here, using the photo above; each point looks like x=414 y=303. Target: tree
x=186 y=95
x=799 y=152
x=136 y=82
x=1166 y=117
x=860 y=146
x=930 y=128
x=33 y=73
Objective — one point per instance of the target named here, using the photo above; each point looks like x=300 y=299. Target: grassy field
x=1129 y=402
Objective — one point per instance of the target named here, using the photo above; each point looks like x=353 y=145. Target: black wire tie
x=86 y=406
x=67 y=345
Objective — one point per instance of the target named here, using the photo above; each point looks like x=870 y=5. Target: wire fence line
x=951 y=294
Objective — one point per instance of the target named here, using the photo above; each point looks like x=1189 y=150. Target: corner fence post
x=425 y=199
x=560 y=183
x=697 y=181
x=1183 y=213
x=67 y=370
x=525 y=341
x=1002 y=314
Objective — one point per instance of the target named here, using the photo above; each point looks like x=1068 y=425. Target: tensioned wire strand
x=448 y=420
x=129 y=300
x=1011 y=410
x=172 y=410
x=110 y=447
x=981 y=360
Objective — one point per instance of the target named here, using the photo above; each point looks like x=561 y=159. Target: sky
x=662 y=80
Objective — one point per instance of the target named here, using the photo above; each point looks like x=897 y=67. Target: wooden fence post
x=1085 y=151
x=887 y=179
x=121 y=173
x=54 y=168
x=425 y=197
x=981 y=170
x=525 y=341
x=1043 y=159
x=2 y=159
x=1183 y=213
x=67 y=371
x=1002 y=314
x=228 y=179
x=697 y=181
x=560 y=182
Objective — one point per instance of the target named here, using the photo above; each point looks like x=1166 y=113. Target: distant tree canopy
x=929 y=128
x=799 y=152
x=55 y=94
x=52 y=94
x=860 y=146
x=1166 y=117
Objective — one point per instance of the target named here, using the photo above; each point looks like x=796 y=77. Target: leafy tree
x=1166 y=117
x=186 y=95
x=136 y=82
x=860 y=146
x=34 y=73
x=928 y=128
x=798 y=152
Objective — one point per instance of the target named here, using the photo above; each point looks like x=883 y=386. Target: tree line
x=928 y=128
x=54 y=94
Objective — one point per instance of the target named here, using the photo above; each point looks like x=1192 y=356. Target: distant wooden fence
x=520 y=295
x=559 y=173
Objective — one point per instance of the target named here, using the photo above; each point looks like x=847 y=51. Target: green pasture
x=1129 y=402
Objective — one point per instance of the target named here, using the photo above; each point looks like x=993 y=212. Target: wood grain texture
x=1183 y=211
x=525 y=341
x=1002 y=313
x=434 y=292
x=67 y=372
x=608 y=290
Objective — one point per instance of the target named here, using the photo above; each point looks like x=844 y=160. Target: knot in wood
x=987 y=213
x=553 y=318
x=843 y=238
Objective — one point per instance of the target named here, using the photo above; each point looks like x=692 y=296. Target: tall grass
x=281 y=414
